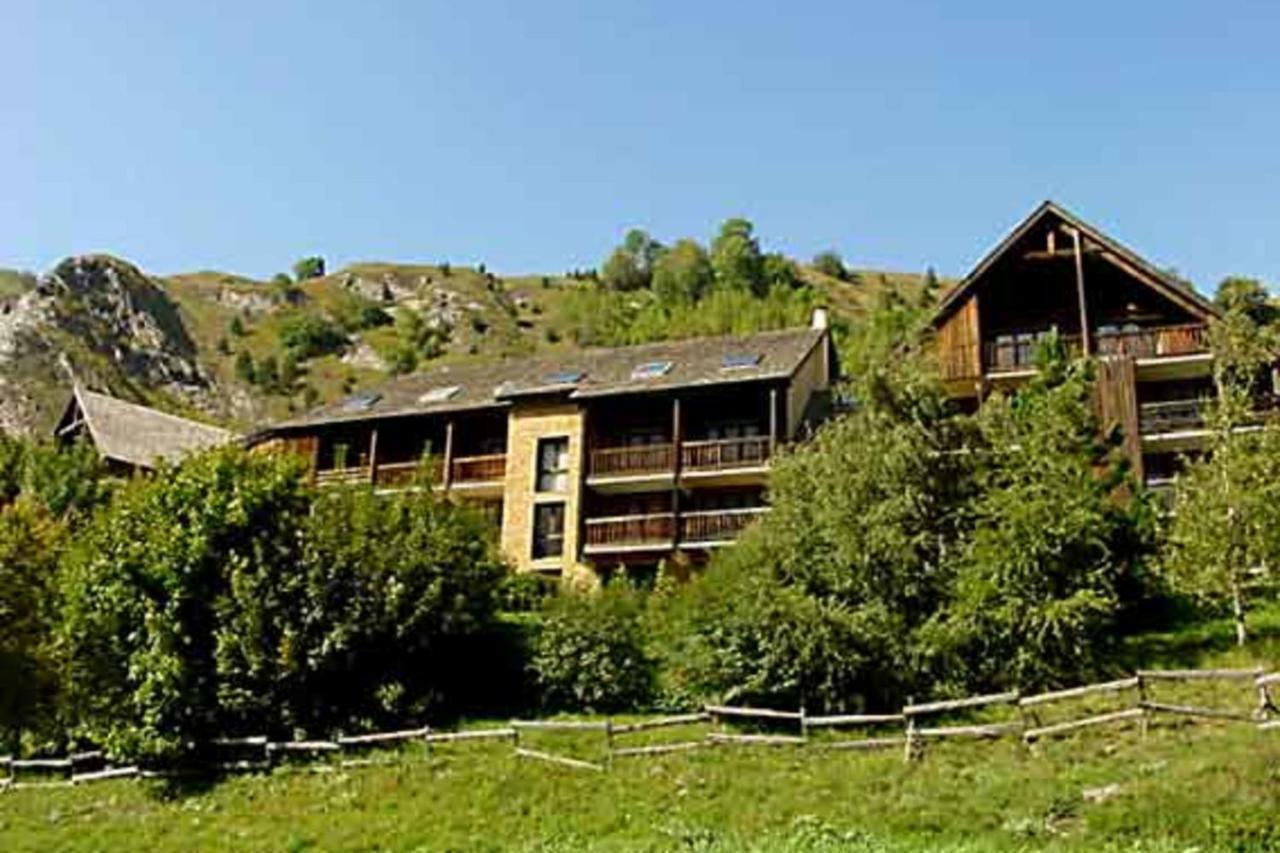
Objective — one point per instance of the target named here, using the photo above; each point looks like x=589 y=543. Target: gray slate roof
x=137 y=435
x=604 y=372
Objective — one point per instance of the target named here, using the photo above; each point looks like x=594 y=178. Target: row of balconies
x=464 y=471
x=1187 y=416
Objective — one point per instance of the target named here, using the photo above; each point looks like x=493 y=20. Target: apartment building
x=590 y=459
x=1147 y=330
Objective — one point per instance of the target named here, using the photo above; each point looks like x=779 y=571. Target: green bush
x=525 y=592
x=590 y=653
x=308 y=335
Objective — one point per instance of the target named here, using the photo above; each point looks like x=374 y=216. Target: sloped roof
x=1140 y=267
x=587 y=373
x=136 y=435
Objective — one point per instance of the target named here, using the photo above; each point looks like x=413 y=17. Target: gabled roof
x=1112 y=251
x=136 y=435
x=588 y=373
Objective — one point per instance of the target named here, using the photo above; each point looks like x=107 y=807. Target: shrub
x=309 y=267
x=309 y=335
x=525 y=592
x=590 y=652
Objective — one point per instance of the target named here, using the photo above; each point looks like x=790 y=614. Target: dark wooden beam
x=446 y=477
x=1084 y=312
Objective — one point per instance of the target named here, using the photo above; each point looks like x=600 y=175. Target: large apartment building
x=591 y=459
x=1147 y=330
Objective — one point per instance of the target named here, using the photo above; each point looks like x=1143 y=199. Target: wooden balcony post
x=773 y=421
x=446 y=476
x=373 y=457
x=1084 y=314
x=677 y=443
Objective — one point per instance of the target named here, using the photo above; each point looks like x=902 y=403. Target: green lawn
x=1185 y=787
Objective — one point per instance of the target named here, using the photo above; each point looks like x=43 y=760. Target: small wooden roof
x=1109 y=249
x=135 y=435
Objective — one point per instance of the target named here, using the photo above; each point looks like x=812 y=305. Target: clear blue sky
x=240 y=136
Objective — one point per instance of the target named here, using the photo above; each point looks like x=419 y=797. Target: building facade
x=593 y=459
x=1147 y=331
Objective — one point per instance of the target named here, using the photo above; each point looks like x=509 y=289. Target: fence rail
x=255 y=753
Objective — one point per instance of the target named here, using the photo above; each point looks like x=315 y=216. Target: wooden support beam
x=446 y=477
x=677 y=443
x=1084 y=312
x=373 y=456
x=773 y=421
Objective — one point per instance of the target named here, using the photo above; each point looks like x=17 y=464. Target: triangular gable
x=1094 y=240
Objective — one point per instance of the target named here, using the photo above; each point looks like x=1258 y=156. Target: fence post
x=1144 y=720
x=909 y=749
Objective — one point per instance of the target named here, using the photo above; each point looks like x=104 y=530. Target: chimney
x=821 y=319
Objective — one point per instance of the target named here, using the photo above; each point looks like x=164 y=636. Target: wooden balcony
x=623 y=532
x=634 y=461
x=336 y=476
x=473 y=470
x=1179 y=416
x=725 y=454
x=656 y=531
x=717 y=525
x=392 y=475
x=1155 y=342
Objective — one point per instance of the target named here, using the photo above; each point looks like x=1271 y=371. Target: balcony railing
x=1155 y=342
x=724 y=454
x=1189 y=415
x=1019 y=353
x=695 y=456
x=396 y=474
x=330 y=476
x=632 y=461
x=479 y=469
x=625 y=531
x=717 y=525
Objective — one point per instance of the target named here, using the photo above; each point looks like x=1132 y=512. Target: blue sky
x=240 y=136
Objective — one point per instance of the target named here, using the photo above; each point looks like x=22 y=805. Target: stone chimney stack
x=821 y=319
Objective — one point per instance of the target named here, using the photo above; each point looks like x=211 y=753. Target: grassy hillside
x=1204 y=787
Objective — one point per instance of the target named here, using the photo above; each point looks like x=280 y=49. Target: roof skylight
x=740 y=360
x=361 y=402
x=651 y=370
x=440 y=395
x=565 y=377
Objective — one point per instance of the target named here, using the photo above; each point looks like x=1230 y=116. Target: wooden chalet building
x=592 y=459
x=131 y=438
x=1147 y=330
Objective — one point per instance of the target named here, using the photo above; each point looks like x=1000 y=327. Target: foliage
x=683 y=274
x=525 y=592
x=1225 y=531
x=590 y=652
x=156 y=594
x=30 y=541
x=68 y=480
x=308 y=267
x=419 y=338
x=736 y=258
x=245 y=369
x=308 y=335
x=830 y=263
x=631 y=265
x=1037 y=580
x=355 y=313
x=12 y=461
x=1246 y=296
x=392 y=588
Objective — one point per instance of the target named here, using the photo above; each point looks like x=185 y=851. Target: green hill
x=241 y=352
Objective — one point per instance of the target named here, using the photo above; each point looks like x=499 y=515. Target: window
x=650 y=370
x=548 y=530
x=553 y=465
x=739 y=361
x=440 y=395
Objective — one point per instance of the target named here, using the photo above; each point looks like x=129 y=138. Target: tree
x=68 y=480
x=236 y=327
x=1225 y=530
x=308 y=267
x=12 y=462
x=630 y=266
x=830 y=263
x=683 y=274
x=1249 y=297
x=736 y=258
x=779 y=273
x=30 y=540
x=154 y=592
x=245 y=368
x=308 y=335
x=268 y=374
x=1052 y=541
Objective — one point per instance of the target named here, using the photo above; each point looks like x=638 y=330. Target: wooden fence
x=911 y=729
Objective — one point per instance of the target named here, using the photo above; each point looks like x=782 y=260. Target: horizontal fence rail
x=257 y=753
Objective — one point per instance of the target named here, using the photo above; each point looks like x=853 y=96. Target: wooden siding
x=1116 y=395
x=959 y=349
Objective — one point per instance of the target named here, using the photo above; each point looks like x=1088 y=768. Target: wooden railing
x=630 y=530
x=717 y=525
x=720 y=454
x=627 y=461
x=999 y=356
x=1185 y=339
x=480 y=469
x=393 y=474
x=1184 y=415
x=330 y=476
